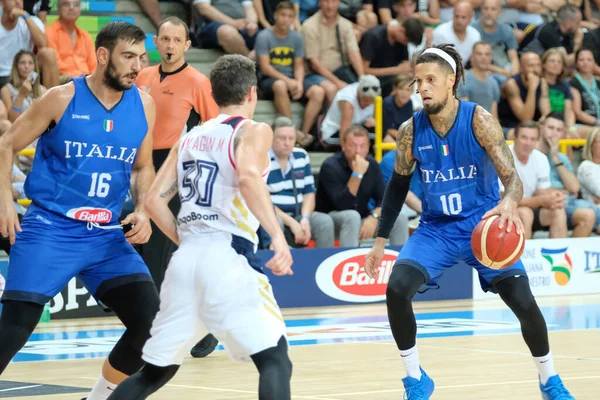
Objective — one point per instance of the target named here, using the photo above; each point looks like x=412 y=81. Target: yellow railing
x=380 y=146
x=26 y=153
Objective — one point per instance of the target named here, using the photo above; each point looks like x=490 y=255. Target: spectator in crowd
x=305 y=9
x=361 y=15
x=480 y=86
x=348 y=180
x=331 y=49
x=23 y=86
x=265 y=12
x=523 y=97
x=39 y=8
x=459 y=32
x=280 y=53
x=384 y=50
x=555 y=72
x=75 y=50
x=397 y=107
x=426 y=11
x=588 y=171
x=505 y=60
x=229 y=24
x=591 y=41
x=408 y=9
x=292 y=188
x=19 y=30
x=565 y=31
x=586 y=92
x=353 y=105
x=582 y=215
x=541 y=206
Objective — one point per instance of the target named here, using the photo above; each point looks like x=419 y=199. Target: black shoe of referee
x=204 y=347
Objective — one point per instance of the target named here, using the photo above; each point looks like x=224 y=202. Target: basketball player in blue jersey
x=458 y=148
x=94 y=133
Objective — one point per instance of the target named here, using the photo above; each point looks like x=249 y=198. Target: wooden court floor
x=470 y=367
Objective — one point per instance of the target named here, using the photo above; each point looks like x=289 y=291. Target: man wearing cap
x=353 y=105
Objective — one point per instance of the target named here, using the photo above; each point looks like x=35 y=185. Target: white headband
x=444 y=55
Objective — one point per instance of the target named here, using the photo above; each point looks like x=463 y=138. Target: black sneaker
x=204 y=347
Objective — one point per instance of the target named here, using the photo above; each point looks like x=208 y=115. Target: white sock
x=545 y=366
x=410 y=358
x=102 y=389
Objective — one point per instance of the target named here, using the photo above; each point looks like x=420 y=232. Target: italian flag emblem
x=108 y=125
x=445 y=150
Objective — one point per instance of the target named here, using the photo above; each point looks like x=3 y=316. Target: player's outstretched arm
x=28 y=127
x=253 y=142
x=488 y=132
x=394 y=196
x=163 y=189
x=143 y=175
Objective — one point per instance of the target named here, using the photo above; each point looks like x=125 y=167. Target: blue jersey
x=82 y=166
x=458 y=177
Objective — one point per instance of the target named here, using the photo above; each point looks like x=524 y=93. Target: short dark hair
x=285 y=5
x=481 y=43
x=434 y=58
x=231 y=77
x=555 y=115
x=414 y=29
x=582 y=49
x=355 y=130
x=175 y=21
x=527 y=124
x=111 y=33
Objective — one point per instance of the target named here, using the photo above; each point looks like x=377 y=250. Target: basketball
x=494 y=247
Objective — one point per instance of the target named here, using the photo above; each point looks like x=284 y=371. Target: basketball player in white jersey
x=214 y=282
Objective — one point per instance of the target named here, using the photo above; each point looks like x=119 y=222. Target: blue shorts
x=434 y=248
x=53 y=249
x=208 y=35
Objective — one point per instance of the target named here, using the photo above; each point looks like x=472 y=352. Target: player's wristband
x=393 y=200
x=357 y=175
x=17 y=109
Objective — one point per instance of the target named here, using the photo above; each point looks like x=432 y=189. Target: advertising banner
x=558 y=267
x=322 y=277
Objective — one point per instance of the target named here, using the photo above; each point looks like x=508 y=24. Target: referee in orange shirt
x=183 y=100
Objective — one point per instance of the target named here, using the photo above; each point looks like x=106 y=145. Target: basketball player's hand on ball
x=9 y=221
x=141 y=229
x=507 y=210
x=281 y=263
x=374 y=257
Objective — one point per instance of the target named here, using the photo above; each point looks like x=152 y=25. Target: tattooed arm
x=163 y=189
x=405 y=162
x=394 y=197
x=489 y=134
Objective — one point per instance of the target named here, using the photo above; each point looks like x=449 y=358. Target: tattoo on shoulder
x=169 y=191
x=488 y=132
x=404 y=158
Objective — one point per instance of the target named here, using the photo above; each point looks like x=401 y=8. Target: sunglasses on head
x=373 y=88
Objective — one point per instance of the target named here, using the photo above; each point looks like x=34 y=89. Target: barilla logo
x=343 y=277
x=89 y=214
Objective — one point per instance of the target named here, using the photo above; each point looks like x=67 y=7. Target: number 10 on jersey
x=451 y=204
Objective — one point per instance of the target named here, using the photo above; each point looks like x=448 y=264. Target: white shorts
x=209 y=287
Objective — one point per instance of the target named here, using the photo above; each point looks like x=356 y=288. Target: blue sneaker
x=418 y=389
x=554 y=389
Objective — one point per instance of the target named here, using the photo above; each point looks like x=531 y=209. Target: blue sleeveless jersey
x=458 y=177
x=82 y=166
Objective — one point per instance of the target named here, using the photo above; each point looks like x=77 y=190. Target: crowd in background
x=532 y=64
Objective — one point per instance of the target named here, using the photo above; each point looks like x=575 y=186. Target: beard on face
x=435 y=108
x=113 y=80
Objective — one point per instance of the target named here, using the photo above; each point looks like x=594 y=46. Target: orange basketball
x=494 y=247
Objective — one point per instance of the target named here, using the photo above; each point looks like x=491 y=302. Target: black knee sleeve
x=143 y=383
x=516 y=293
x=18 y=320
x=275 y=369
x=404 y=283
x=136 y=305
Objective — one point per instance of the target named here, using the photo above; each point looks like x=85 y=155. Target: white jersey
x=208 y=182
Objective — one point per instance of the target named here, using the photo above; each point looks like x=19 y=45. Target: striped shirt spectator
x=292 y=188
